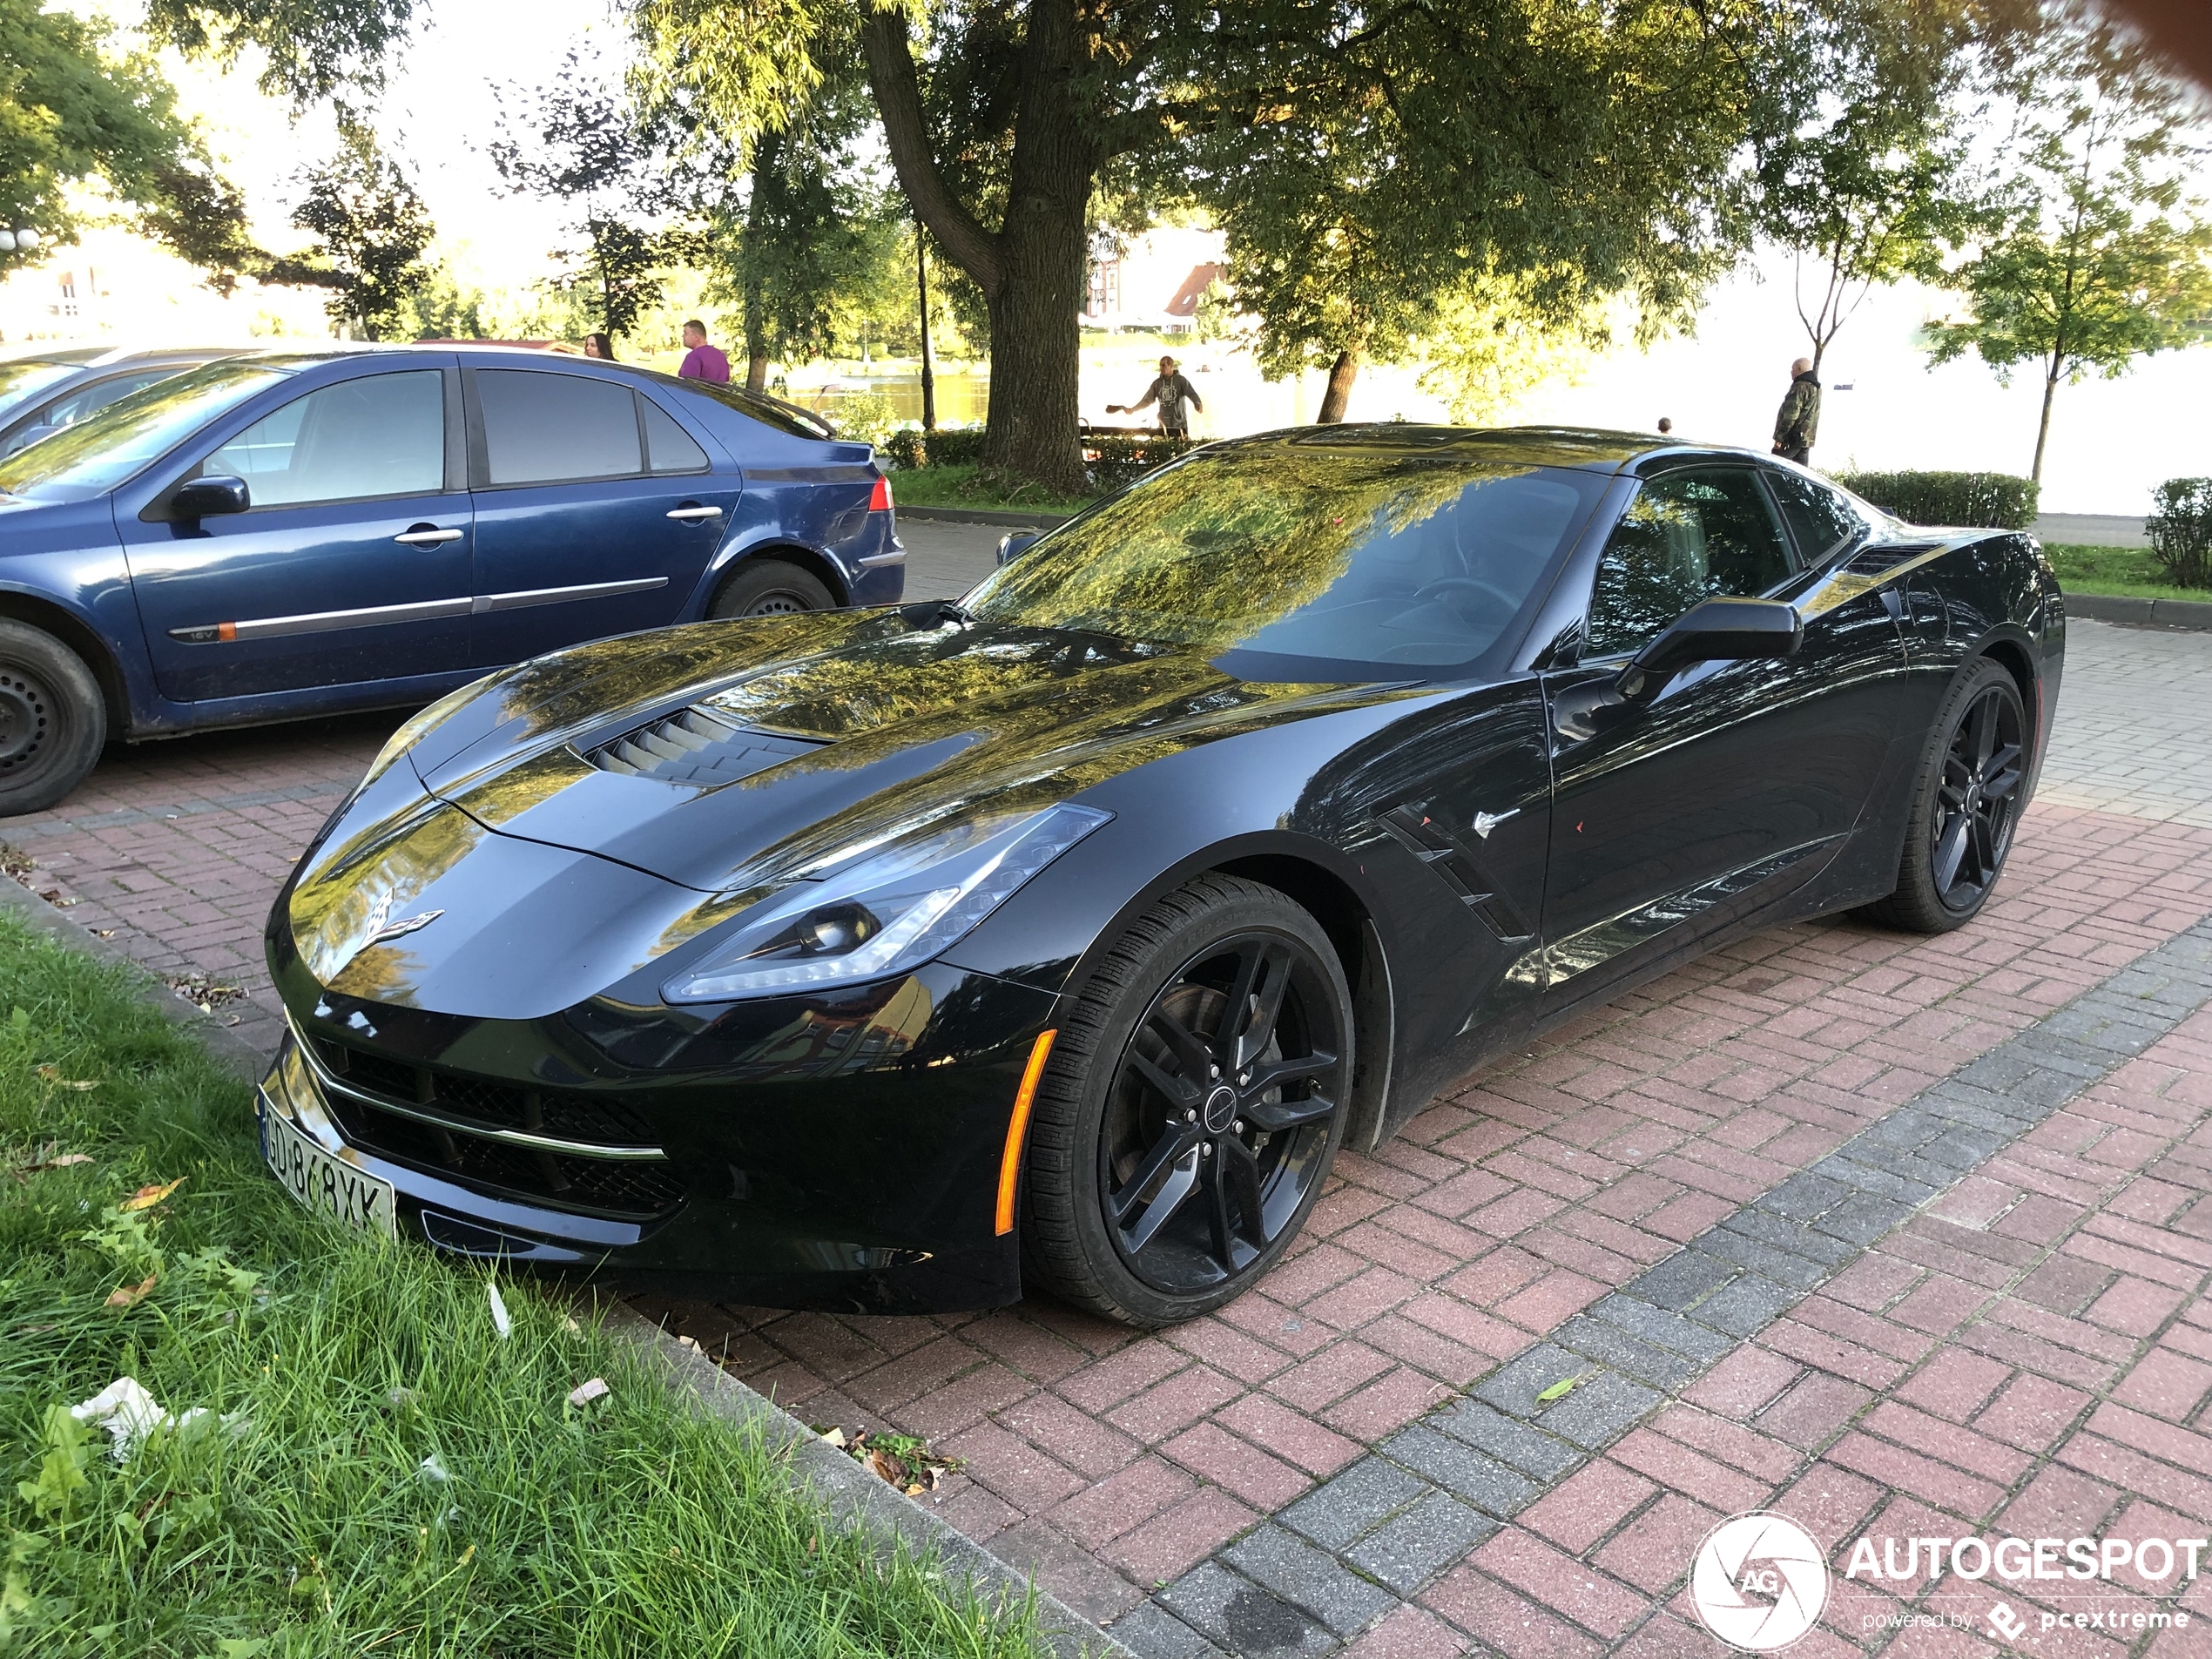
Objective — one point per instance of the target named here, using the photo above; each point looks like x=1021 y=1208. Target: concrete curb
x=235 y=1052
x=2141 y=613
x=852 y=1494
x=1015 y=521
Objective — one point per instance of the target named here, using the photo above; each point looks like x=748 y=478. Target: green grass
x=2127 y=572
x=401 y=1481
x=967 y=486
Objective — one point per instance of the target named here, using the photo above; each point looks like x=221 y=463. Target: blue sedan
x=273 y=536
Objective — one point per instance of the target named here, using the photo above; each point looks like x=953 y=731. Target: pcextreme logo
x=1759 y=1581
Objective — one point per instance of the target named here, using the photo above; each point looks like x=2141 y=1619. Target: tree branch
x=898 y=97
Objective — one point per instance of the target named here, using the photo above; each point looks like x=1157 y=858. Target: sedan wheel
x=767 y=587
x=53 y=719
x=1195 y=1102
x=1972 y=790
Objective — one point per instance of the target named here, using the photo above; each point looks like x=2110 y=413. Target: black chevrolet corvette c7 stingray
x=903 y=959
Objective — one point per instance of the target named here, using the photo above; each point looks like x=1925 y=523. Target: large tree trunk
x=1342 y=373
x=766 y=152
x=1030 y=269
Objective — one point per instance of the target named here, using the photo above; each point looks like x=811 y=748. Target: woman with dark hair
x=596 y=344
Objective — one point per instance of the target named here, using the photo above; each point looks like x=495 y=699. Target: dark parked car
x=269 y=536
x=50 y=402
x=900 y=958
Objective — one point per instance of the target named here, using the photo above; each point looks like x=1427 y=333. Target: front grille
x=598 y=1119
x=693 y=746
x=632 y=1189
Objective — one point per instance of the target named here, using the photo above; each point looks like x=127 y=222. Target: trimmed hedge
x=1112 y=459
x=2181 y=530
x=1979 y=500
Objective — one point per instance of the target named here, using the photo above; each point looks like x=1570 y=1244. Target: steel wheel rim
x=1977 y=798
x=777 y=605
x=1217 y=1126
x=26 y=716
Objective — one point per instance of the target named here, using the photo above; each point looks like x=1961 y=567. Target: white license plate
x=332 y=1186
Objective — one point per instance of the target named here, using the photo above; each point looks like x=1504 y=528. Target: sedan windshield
x=20 y=380
x=1307 y=561
x=98 y=453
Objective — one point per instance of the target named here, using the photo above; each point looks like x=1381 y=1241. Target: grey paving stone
x=1611 y=1346
x=1311 y=1580
x=1801 y=1197
x=1761 y=1259
x=1353 y=1500
x=1513 y=1387
x=1508 y=1439
x=1657 y=1326
x=1864 y=1219
x=1746 y=1305
x=1796 y=1237
x=1682 y=1280
x=1240 y=1616
x=1599 y=1410
x=1432 y=1536
x=1153 y=1632
x=1459 y=1468
x=1887 y=1183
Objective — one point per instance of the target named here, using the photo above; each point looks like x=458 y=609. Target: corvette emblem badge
x=1484 y=822
x=406 y=925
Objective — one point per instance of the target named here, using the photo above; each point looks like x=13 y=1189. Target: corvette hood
x=734 y=755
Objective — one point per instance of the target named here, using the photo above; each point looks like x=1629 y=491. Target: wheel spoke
x=1240 y=1172
x=1176 y=1144
x=1278 y=1073
x=1255 y=998
x=1951 y=848
x=1275 y=1116
x=2004 y=775
x=1189 y=1048
x=1984 y=846
x=1983 y=724
x=1218 y=1221
x=1182 y=1182
x=1179 y=1090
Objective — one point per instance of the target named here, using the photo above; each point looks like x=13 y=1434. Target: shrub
x=1117 y=458
x=864 y=417
x=1980 y=500
x=949 y=446
x=2181 y=530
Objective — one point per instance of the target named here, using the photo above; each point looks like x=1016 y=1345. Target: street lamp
x=25 y=240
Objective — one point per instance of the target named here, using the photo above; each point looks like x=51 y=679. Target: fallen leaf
x=53 y=896
x=146 y=1198
x=1558 y=1390
x=65 y=1160
x=913 y=1491
x=834 y=1437
x=500 y=1322
x=129 y=1295
x=692 y=1343
x=584 y=1394
x=103 y=933
x=887 y=1466
x=53 y=1074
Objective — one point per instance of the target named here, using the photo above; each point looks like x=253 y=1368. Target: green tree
x=74 y=109
x=2099 y=257
x=371 y=230
x=308 y=49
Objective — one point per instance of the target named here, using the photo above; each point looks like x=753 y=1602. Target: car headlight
x=419 y=726
x=881 y=910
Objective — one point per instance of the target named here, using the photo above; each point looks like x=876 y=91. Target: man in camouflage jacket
x=1799 y=421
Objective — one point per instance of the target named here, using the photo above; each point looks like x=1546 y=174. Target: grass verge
x=2121 y=572
x=971 y=486
x=390 y=1476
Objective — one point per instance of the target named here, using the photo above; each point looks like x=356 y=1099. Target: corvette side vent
x=692 y=746
x=1886 y=555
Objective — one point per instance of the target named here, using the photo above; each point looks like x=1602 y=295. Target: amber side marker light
x=1010 y=1166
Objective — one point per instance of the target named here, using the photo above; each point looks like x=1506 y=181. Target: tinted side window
x=383 y=435
x=1688 y=536
x=541 y=428
x=668 y=446
x=92 y=399
x=1820 y=519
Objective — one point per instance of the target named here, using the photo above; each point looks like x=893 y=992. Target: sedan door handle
x=693 y=513
x=427 y=537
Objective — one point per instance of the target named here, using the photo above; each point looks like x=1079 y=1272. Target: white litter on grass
x=129 y=1414
x=584 y=1394
x=500 y=1322
x=433 y=1468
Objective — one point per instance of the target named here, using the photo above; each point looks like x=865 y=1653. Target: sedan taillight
x=880 y=498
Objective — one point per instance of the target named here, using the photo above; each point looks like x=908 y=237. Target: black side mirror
x=1718 y=630
x=1014 y=546
x=198 y=498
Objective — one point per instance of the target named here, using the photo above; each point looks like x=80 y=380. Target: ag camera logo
x=1759 y=1581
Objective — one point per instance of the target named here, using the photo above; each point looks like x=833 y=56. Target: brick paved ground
x=2030 y=1343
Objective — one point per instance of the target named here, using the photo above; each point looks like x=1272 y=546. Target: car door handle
x=427 y=537
x=693 y=513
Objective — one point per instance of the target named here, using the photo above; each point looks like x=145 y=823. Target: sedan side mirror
x=1014 y=546
x=198 y=498
x=1718 y=630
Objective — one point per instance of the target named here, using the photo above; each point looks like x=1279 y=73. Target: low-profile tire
x=1967 y=796
x=53 y=719
x=1193 y=1103
x=771 y=587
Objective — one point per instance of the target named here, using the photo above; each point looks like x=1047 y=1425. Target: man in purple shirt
x=701 y=361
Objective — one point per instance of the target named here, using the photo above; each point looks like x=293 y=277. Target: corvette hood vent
x=1886 y=555
x=695 y=747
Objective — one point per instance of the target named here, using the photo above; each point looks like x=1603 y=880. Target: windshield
x=1349 y=562
x=100 y=452
x=20 y=380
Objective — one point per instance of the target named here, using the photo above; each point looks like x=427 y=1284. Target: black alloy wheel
x=53 y=719
x=771 y=587
x=1972 y=789
x=1195 y=1103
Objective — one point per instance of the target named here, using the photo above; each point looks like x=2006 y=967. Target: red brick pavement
x=1111 y=1462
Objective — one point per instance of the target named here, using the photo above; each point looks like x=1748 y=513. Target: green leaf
x=1558 y=1389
